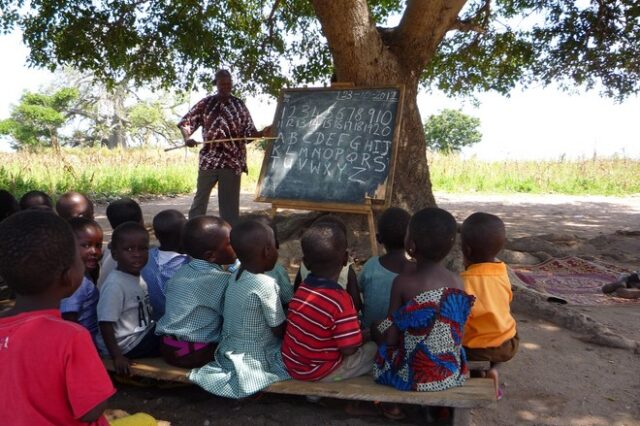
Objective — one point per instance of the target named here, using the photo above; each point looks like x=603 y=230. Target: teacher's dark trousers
x=228 y=193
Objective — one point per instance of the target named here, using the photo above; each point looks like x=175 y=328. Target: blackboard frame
x=370 y=203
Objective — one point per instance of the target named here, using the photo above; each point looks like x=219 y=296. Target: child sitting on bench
x=421 y=339
x=81 y=306
x=248 y=356
x=192 y=322
x=74 y=204
x=124 y=312
x=378 y=272
x=490 y=334
x=323 y=340
x=165 y=260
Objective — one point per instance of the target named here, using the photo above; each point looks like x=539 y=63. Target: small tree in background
x=37 y=119
x=451 y=130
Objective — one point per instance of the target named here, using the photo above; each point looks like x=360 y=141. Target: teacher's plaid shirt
x=221 y=120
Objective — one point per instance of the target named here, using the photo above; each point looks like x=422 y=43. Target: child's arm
x=70 y=316
x=95 y=413
x=392 y=336
x=297 y=281
x=278 y=330
x=120 y=362
x=354 y=289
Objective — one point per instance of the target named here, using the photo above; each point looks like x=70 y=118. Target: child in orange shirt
x=490 y=333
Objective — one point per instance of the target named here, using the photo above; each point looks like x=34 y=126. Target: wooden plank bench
x=476 y=392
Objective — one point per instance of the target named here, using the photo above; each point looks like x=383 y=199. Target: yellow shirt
x=490 y=323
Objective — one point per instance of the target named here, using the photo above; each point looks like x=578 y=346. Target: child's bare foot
x=628 y=293
x=392 y=411
x=611 y=287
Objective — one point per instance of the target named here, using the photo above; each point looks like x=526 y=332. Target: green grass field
x=105 y=174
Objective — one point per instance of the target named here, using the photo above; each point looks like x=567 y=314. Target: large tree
x=459 y=46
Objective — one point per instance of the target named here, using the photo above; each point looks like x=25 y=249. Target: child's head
x=208 y=238
x=483 y=236
x=33 y=200
x=89 y=237
x=130 y=247
x=168 y=226
x=332 y=219
x=265 y=220
x=431 y=234
x=255 y=245
x=392 y=228
x=38 y=255
x=324 y=249
x=124 y=210
x=8 y=204
x=74 y=204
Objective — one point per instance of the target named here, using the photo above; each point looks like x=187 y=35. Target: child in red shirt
x=323 y=340
x=40 y=262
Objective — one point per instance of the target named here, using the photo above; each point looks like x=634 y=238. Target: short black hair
x=126 y=229
x=66 y=200
x=392 y=227
x=323 y=246
x=331 y=218
x=200 y=234
x=484 y=234
x=168 y=226
x=8 y=204
x=433 y=232
x=123 y=210
x=43 y=197
x=266 y=220
x=35 y=248
x=248 y=238
x=81 y=223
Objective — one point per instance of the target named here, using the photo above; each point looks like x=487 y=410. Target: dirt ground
x=556 y=378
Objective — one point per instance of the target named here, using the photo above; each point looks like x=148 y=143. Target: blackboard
x=332 y=146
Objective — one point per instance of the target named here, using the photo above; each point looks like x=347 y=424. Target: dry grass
x=105 y=174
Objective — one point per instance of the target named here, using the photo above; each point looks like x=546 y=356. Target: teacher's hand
x=190 y=143
x=266 y=132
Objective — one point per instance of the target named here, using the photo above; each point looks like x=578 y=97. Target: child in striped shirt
x=323 y=340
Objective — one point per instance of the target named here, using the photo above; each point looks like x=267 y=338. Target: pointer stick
x=221 y=141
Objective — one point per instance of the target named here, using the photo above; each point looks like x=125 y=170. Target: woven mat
x=573 y=279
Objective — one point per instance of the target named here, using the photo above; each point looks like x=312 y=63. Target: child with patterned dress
x=248 y=356
x=81 y=306
x=421 y=339
x=165 y=260
x=323 y=341
x=378 y=273
x=124 y=311
x=118 y=212
x=490 y=333
x=192 y=322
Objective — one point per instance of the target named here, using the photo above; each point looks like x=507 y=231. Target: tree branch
x=424 y=24
x=358 y=51
x=478 y=22
x=467 y=26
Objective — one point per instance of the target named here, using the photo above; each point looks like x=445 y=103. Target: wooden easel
x=366 y=209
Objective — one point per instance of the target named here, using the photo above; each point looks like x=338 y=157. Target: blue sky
x=535 y=123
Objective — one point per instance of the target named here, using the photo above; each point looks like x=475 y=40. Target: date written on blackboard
x=332 y=145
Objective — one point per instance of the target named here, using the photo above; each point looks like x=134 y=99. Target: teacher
x=221 y=116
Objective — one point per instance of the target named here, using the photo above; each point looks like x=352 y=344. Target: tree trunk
x=369 y=56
